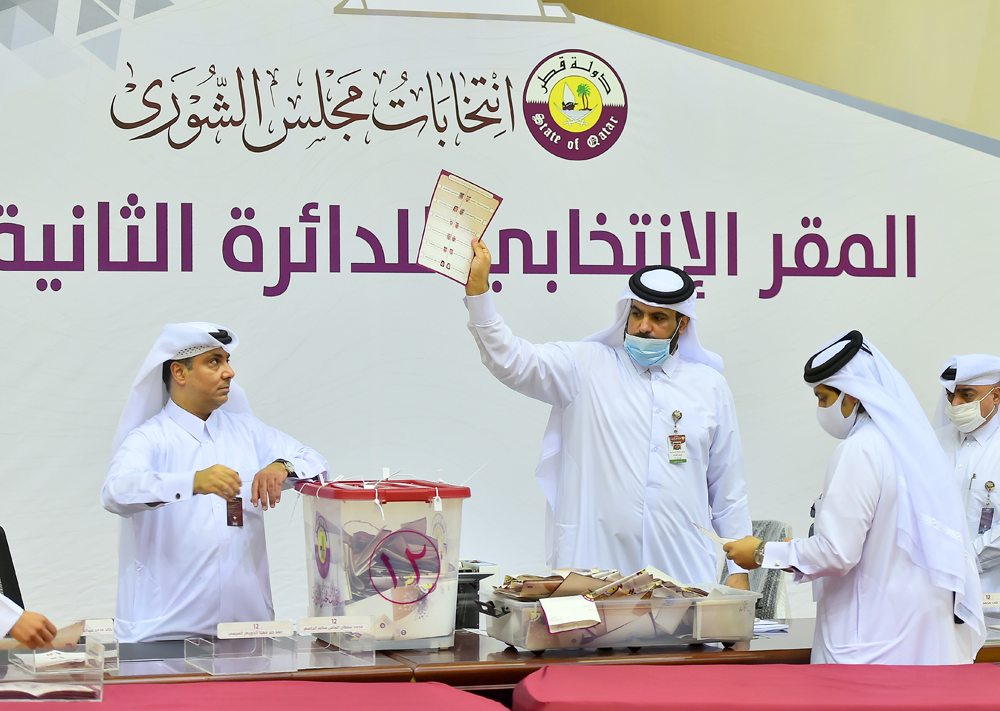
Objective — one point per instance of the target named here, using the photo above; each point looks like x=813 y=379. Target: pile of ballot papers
x=594 y=585
x=385 y=560
x=602 y=608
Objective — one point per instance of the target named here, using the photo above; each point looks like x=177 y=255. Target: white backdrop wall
x=377 y=369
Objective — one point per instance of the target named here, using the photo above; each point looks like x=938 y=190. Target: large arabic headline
x=168 y=244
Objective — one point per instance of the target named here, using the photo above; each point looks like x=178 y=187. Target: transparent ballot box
x=254 y=655
x=74 y=673
x=387 y=550
x=82 y=657
x=726 y=616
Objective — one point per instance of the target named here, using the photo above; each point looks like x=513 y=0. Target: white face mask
x=652 y=351
x=967 y=416
x=833 y=421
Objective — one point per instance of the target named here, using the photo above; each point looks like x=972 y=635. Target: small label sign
x=991 y=599
x=316 y=625
x=99 y=627
x=239 y=630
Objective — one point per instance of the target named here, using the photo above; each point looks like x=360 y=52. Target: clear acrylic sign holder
x=254 y=655
x=75 y=673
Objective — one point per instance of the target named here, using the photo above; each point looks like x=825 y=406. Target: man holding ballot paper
x=642 y=442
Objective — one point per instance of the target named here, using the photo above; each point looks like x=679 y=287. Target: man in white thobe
x=29 y=628
x=971 y=398
x=192 y=472
x=642 y=442
x=891 y=563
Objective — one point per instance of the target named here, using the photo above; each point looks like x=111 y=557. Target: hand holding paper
x=64 y=638
x=741 y=552
x=33 y=630
x=479 y=274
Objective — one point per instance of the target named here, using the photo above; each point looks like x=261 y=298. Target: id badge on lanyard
x=986 y=516
x=677 y=452
x=234 y=512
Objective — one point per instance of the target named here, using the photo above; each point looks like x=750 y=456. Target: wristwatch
x=289 y=467
x=758 y=554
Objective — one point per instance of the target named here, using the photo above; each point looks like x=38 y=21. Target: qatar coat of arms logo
x=575 y=104
x=322 y=547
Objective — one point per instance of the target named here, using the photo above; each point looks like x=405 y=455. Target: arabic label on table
x=316 y=625
x=265 y=628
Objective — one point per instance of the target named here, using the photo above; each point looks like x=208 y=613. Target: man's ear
x=849 y=402
x=684 y=323
x=178 y=373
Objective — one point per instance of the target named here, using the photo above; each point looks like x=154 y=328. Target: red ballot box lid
x=401 y=490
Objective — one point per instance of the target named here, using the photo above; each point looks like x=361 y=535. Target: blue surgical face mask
x=650 y=351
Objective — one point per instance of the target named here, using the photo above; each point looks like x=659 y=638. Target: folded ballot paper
x=713 y=535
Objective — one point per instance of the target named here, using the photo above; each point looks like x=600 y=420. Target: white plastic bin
x=388 y=550
x=725 y=617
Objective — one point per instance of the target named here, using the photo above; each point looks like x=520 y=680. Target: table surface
x=480 y=662
x=768 y=687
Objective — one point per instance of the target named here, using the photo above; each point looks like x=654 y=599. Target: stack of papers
x=48 y=690
x=595 y=584
x=569 y=597
x=557 y=583
x=769 y=627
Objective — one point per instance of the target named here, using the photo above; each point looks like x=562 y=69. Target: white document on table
x=458 y=215
x=570 y=613
x=769 y=627
x=713 y=535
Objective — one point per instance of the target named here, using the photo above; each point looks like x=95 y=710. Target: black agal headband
x=664 y=298
x=222 y=336
x=855 y=342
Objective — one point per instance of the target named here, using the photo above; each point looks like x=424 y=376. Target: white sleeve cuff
x=175 y=487
x=735 y=569
x=481 y=310
x=777 y=554
x=302 y=471
x=10 y=613
x=301 y=467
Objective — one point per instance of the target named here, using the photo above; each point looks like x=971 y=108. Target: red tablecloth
x=278 y=695
x=767 y=687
